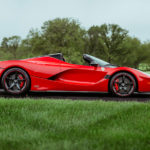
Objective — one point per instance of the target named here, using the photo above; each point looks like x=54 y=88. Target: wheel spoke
x=16 y=75
x=123 y=78
x=125 y=90
x=18 y=86
x=9 y=78
x=129 y=83
x=12 y=85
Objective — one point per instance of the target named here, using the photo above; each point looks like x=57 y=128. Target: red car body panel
x=51 y=74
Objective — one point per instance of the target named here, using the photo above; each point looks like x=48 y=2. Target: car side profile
x=52 y=73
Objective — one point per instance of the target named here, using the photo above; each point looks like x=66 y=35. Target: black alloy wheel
x=122 y=84
x=15 y=81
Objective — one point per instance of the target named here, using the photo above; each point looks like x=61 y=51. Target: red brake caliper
x=116 y=84
x=22 y=82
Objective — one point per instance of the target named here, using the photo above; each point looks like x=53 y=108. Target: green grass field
x=73 y=125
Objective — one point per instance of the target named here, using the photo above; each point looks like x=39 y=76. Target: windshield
x=90 y=58
x=99 y=61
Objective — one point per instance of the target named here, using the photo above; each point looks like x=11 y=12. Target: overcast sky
x=17 y=17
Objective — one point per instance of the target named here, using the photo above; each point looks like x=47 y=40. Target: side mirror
x=93 y=63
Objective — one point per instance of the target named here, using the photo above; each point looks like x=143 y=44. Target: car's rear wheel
x=122 y=84
x=15 y=81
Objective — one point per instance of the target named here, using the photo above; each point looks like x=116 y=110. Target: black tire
x=15 y=81
x=122 y=84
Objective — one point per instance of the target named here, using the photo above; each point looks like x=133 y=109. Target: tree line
x=109 y=42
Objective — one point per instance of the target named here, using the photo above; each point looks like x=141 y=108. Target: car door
x=80 y=77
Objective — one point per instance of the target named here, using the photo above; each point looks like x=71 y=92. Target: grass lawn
x=73 y=125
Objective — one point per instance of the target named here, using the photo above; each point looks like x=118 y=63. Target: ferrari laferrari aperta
x=52 y=73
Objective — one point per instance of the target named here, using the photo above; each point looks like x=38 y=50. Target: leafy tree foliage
x=10 y=45
x=134 y=52
x=34 y=44
x=64 y=35
x=58 y=35
x=108 y=41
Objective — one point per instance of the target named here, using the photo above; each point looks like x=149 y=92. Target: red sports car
x=52 y=73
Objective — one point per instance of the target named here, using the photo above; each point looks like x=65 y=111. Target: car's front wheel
x=122 y=84
x=15 y=81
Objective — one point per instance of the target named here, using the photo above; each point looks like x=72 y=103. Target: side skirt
x=68 y=91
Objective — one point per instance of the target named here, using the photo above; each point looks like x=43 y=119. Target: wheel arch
x=125 y=72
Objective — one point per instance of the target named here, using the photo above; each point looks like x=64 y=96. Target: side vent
x=53 y=77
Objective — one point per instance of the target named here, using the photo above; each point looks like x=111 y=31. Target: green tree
x=134 y=53
x=106 y=40
x=34 y=44
x=66 y=36
x=95 y=45
x=10 y=45
x=58 y=35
